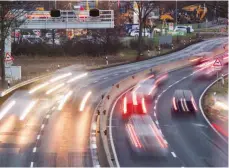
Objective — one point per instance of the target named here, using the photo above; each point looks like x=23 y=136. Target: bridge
x=68 y=20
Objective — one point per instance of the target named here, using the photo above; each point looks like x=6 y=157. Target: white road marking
x=115 y=74
x=42 y=127
x=53 y=108
x=47 y=116
x=174 y=155
x=31 y=164
x=155 y=107
x=38 y=137
x=105 y=78
x=155 y=114
x=157 y=122
x=34 y=149
x=95 y=81
x=93 y=146
x=200 y=125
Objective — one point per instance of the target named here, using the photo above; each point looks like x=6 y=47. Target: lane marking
x=154 y=107
x=174 y=155
x=116 y=74
x=42 y=127
x=31 y=164
x=157 y=122
x=105 y=78
x=34 y=149
x=95 y=81
x=155 y=114
x=47 y=116
x=38 y=137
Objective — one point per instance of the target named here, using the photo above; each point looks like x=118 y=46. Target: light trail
x=83 y=103
x=64 y=100
x=28 y=109
x=221 y=105
x=7 y=108
x=134 y=96
x=55 y=88
x=38 y=87
x=60 y=77
x=152 y=89
x=77 y=77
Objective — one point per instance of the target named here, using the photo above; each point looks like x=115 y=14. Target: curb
x=202 y=111
x=105 y=107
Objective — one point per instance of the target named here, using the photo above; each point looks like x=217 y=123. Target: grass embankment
x=209 y=106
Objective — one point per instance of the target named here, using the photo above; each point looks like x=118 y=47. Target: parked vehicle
x=183 y=29
x=135 y=33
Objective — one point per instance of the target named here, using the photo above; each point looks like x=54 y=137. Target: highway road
x=192 y=142
x=53 y=136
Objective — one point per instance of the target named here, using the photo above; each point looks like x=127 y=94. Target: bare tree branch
x=12 y=15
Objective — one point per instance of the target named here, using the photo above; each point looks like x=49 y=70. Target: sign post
x=217 y=66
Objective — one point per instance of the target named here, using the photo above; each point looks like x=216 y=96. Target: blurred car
x=183 y=29
x=199 y=60
x=50 y=42
x=48 y=35
x=133 y=103
x=135 y=33
x=183 y=101
x=205 y=69
x=149 y=86
x=144 y=137
x=156 y=30
x=32 y=40
x=37 y=32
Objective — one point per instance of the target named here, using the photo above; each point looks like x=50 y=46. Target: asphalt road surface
x=192 y=142
x=51 y=137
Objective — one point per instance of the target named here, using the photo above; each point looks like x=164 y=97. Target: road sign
x=217 y=64
x=8 y=59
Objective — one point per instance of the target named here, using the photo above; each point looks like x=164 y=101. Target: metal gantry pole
x=176 y=12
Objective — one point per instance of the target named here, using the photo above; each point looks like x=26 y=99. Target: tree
x=12 y=15
x=220 y=8
x=143 y=10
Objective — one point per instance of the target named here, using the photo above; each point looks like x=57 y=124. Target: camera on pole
x=94 y=12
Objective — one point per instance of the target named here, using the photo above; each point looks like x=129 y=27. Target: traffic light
x=55 y=13
x=94 y=12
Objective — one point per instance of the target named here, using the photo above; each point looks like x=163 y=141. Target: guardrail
x=17 y=86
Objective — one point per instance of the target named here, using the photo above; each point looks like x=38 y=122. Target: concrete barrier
x=120 y=87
